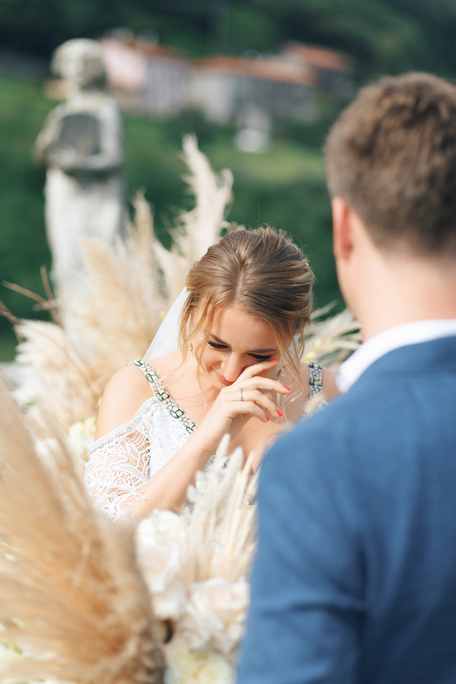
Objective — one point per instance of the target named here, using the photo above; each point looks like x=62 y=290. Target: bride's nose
x=232 y=367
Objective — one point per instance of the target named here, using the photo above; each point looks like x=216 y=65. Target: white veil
x=167 y=336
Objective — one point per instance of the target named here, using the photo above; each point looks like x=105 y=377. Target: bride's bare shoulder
x=167 y=364
x=330 y=388
x=125 y=393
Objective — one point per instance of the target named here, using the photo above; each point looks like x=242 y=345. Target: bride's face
x=236 y=340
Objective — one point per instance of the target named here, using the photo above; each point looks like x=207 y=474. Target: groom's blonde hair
x=391 y=156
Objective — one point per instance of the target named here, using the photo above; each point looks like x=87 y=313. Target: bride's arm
x=166 y=489
x=116 y=474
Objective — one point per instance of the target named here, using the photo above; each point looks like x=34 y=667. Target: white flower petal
x=186 y=666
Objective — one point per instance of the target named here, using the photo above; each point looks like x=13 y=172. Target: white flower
x=80 y=436
x=161 y=527
x=195 y=667
x=214 y=614
x=159 y=556
x=85 y=427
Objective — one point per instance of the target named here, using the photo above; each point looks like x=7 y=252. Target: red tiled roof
x=268 y=69
x=320 y=58
x=156 y=50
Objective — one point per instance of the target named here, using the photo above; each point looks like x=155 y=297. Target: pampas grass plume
x=71 y=596
x=220 y=539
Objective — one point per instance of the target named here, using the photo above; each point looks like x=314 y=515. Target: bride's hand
x=249 y=396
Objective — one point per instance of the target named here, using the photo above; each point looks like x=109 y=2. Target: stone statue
x=82 y=145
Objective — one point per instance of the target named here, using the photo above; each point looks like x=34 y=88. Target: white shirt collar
x=381 y=344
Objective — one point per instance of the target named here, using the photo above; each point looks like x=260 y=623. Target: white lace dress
x=121 y=462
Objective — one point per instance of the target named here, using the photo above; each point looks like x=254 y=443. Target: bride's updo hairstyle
x=260 y=271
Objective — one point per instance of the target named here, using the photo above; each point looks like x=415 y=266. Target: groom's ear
x=342 y=229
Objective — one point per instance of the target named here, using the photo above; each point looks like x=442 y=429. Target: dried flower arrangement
x=81 y=597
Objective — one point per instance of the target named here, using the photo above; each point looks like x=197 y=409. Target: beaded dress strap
x=316 y=379
x=163 y=396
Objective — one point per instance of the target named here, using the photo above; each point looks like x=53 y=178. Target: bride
x=236 y=369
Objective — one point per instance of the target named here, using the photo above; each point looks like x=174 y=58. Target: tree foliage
x=381 y=35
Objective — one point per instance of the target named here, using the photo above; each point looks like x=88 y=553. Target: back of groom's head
x=391 y=156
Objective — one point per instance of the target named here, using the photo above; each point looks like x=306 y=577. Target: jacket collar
x=396 y=338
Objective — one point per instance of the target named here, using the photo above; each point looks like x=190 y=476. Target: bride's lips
x=221 y=379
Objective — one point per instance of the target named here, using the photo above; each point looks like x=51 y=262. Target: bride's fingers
x=262 y=400
x=256 y=369
x=251 y=409
x=260 y=383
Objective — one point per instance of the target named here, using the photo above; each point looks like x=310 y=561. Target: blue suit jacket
x=354 y=581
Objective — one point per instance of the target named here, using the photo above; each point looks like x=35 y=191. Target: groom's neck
x=386 y=289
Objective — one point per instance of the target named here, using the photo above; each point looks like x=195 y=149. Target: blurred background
x=258 y=81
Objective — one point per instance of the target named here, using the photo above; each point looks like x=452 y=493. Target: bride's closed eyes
x=257 y=357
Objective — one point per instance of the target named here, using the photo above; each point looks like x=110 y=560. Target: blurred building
x=229 y=89
x=331 y=69
x=146 y=77
x=246 y=91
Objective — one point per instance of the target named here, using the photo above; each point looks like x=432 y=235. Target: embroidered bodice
x=316 y=382
x=121 y=462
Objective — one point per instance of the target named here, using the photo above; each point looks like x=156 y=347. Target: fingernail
x=287 y=388
x=267 y=417
x=272 y=360
x=279 y=413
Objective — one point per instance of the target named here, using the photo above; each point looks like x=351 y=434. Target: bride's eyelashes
x=257 y=357
x=216 y=345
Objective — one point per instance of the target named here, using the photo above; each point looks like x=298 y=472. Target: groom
x=354 y=581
